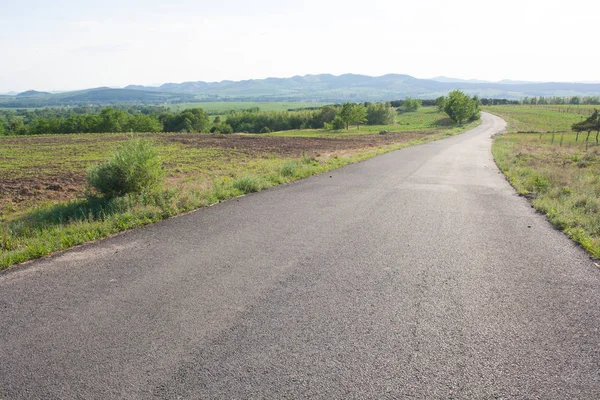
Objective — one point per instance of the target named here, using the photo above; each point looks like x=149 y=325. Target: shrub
x=335 y=125
x=460 y=107
x=134 y=168
x=265 y=129
x=247 y=184
x=288 y=169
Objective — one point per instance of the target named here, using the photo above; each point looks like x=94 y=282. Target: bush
x=247 y=184
x=134 y=168
x=222 y=128
x=335 y=125
x=265 y=129
x=288 y=169
x=411 y=105
x=380 y=114
x=460 y=107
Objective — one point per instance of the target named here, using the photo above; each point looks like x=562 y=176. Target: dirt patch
x=289 y=146
x=28 y=191
x=60 y=175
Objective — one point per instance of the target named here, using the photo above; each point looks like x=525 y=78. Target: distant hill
x=307 y=88
x=445 y=79
x=351 y=87
x=31 y=93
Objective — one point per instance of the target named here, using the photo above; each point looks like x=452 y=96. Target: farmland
x=541 y=118
x=223 y=108
x=559 y=172
x=46 y=206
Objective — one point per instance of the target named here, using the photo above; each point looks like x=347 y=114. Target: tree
x=16 y=126
x=460 y=107
x=440 y=102
x=1 y=128
x=358 y=115
x=190 y=120
x=325 y=115
x=411 y=105
x=592 y=123
x=345 y=114
x=380 y=114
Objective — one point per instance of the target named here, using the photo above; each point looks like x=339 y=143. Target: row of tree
x=107 y=120
x=557 y=100
x=328 y=117
x=457 y=105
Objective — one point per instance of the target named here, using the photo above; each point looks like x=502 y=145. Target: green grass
x=541 y=118
x=224 y=107
x=197 y=175
x=426 y=119
x=560 y=174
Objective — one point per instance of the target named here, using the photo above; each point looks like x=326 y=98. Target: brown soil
x=56 y=184
x=289 y=146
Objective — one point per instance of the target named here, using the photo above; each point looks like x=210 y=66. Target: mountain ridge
x=305 y=88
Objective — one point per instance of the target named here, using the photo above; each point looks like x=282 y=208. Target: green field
x=559 y=172
x=222 y=107
x=45 y=205
x=551 y=118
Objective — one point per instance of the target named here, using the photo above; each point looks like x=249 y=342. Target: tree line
x=160 y=119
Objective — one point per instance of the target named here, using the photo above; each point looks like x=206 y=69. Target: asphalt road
x=418 y=274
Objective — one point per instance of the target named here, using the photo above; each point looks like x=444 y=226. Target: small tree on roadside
x=592 y=123
x=460 y=107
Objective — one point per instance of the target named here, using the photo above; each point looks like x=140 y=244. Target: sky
x=76 y=44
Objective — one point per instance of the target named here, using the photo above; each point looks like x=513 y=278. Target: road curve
x=416 y=274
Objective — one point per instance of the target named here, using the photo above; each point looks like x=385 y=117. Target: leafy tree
x=16 y=126
x=144 y=123
x=358 y=115
x=325 y=115
x=1 y=128
x=112 y=120
x=345 y=114
x=411 y=105
x=440 y=102
x=380 y=114
x=336 y=124
x=460 y=107
x=190 y=120
x=592 y=123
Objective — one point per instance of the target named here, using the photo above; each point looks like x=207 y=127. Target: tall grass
x=563 y=181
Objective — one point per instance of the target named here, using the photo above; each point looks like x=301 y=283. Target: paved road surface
x=418 y=274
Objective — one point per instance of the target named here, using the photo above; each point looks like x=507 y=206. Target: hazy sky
x=75 y=44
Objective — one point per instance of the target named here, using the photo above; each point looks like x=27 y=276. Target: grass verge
x=559 y=173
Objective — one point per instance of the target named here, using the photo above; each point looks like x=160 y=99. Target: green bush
x=247 y=184
x=134 y=168
x=335 y=125
x=288 y=169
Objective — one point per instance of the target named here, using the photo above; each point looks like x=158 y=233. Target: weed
x=288 y=169
x=135 y=168
x=247 y=184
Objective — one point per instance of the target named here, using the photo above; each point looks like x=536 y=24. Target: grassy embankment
x=554 y=169
x=45 y=205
